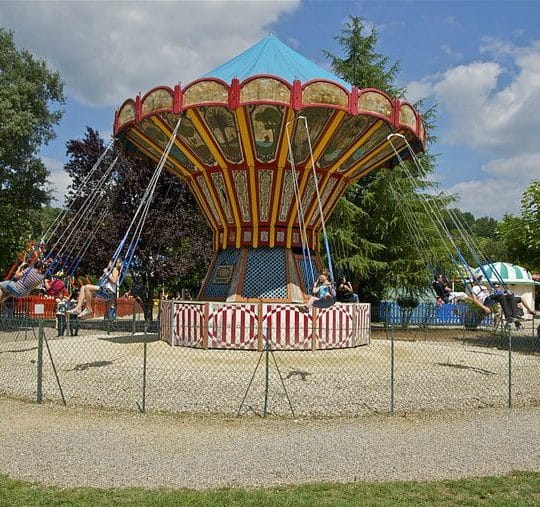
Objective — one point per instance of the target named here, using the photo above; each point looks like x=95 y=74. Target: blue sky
x=479 y=61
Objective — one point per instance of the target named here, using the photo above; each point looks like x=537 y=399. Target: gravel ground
x=74 y=447
x=431 y=371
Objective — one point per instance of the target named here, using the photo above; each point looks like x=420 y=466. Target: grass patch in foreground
x=520 y=488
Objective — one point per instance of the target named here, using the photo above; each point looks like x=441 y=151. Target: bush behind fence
x=124 y=364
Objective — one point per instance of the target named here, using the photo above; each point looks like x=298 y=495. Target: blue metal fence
x=428 y=314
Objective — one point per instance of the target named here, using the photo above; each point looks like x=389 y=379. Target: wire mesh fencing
x=404 y=365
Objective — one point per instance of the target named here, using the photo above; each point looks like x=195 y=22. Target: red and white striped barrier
x=247 y=326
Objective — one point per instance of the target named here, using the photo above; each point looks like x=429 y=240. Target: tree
x=175 y=246
x=29 y=92
x=520 y=234
x=387 y=238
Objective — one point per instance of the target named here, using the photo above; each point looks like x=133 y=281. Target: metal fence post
x=41 y=335
x=133 y=320
x=509 y=368
x=390 y=335
x=145 y=355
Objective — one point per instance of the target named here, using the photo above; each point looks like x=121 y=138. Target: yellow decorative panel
x=242 y=193
x=325 y=93
x=204 y=92
x=376 y=103
x=266 y=125
x=407 y=116
x=223 y=196
x=287 y=194
x=127 y=113
x=265 y=192
x=222 y=124
x=158 y=99
x=209 y=201
x=265 y=88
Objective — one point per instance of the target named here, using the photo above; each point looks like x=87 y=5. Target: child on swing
x=323 y=293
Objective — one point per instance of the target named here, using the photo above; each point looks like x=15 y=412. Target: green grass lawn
x=520 y=488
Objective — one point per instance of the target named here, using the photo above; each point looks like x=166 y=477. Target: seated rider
x=323 y=293
x=441 y=289
x=25 y=280
x=486 y=300
x=345 y=292
x=105 y=291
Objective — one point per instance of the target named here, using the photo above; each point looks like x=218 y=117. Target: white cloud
x=523 y=168
x=58 y=178
x=491 y=108
x=491 y=197
x=483 y=114
x=109 y=51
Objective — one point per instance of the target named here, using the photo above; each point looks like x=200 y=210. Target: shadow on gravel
x=524 y=344
x=131 y=339
x=465 y=367
x=93 y=364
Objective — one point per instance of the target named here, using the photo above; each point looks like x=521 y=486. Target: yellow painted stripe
x=217 y=207
x=192 y=186
x=372 y=168
x=165 y=127
x=366 y=159
x=278 y=175
x=214 y=150
x=217 y=204
x=337 y=164
x=246 y=143
x=183 y=173
x=246 y=138
x=321 y=146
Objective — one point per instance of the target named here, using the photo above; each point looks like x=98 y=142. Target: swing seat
x=105 y=294
x=325 y=302
x=10 y=291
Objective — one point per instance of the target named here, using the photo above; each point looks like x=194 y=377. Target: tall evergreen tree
x=381 y=229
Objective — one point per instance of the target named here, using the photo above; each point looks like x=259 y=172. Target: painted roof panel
x=271 y=56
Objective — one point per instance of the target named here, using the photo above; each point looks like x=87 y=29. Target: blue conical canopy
x=271 y=56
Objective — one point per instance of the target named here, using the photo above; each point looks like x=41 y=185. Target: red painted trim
x=161 y=87
x=296 y=95
x=155 y=112
x=203 y=79
x=234 y=94
x=177 y=99
x=307 y=83
x=138 y=108
x=265 y=76
x=353 y=101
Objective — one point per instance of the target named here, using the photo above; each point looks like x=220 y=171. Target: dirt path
x=87 y=447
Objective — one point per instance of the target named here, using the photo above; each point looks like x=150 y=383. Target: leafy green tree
x=520 y=234
x=383 y=232
x=29 y=92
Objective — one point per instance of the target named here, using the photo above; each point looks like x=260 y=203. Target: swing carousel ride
x=267 y=143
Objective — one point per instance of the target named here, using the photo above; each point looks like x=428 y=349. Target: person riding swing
x=106 y=290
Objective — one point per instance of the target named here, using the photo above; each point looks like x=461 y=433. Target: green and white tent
x=511 y=274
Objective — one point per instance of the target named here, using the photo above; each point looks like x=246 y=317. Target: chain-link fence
x=406 y=365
